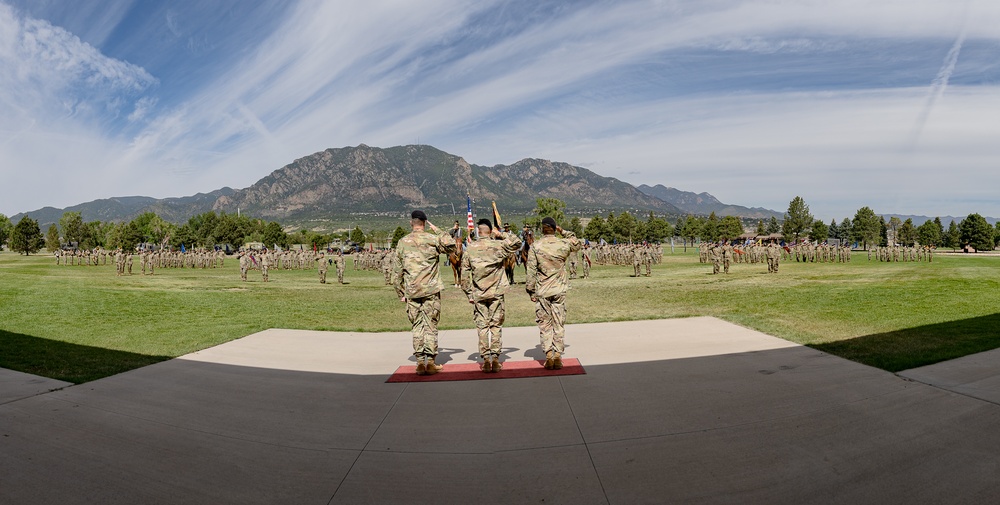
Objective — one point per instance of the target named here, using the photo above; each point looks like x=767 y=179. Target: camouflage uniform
x=416 y=278
x=340 y=264
x=323 y=266
x=485 y=282
x=547 y=284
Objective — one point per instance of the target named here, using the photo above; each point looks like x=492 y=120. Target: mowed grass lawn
x=80 y=323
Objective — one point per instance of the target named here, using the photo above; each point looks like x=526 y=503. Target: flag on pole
x=497 y=222
x=468 y=203
x=182 y=247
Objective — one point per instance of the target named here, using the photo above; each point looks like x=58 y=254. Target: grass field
x=79 y=323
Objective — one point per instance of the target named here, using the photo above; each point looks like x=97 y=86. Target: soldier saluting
x=417 y=281
x=547 y=285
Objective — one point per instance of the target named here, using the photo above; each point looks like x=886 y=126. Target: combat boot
x=556 y=361
x=421 y=367
x=496 y=364
x=548 y=360
x=433 y=368
x=487 y=365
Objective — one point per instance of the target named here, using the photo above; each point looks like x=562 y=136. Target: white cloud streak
x=388 y=72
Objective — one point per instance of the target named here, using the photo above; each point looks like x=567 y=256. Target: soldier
x=265 y=264
x=417 y=282
x=244 y=265
x=323 y=265
x=340 y=264
x=585 y=260
x=647 y=259
x=716 y=253
x=485 y=282
x=773 y=257
x=727 y=256
x=636 y=259
x=547 y=286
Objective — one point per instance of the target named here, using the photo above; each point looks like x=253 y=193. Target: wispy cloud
x=753 y=101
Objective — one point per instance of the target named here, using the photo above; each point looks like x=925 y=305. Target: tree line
x=211 y=229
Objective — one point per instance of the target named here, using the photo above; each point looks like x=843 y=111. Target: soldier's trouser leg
x=648 y=269
x=322 y=276
x=489 y=316
x=635 y=266
x=586 y=270
x=715 y=267
x=340 y=276
x=424 y=314
x=725 y=266
x=550 y=314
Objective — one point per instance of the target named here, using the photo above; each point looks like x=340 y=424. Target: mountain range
x=367 y=179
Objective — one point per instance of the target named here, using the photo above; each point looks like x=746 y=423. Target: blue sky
x=846 y=103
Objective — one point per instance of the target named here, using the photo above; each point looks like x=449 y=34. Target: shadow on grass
x=924 y=345
x=65 y=361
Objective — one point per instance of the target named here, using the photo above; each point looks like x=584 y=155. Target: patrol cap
x=550 y=222
x=418 y=214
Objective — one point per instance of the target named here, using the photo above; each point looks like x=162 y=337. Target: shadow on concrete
x=66 y=361
x=790 y=425
x=923 y=345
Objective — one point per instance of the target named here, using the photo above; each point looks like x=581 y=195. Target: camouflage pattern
x=482 y=267
x=416 y=278
x=415 y=265
x=485 y=282
x=546 y=264
x=547 y=284
x=424 y=314
x=489 y=316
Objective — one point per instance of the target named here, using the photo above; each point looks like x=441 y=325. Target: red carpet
x=471 y=371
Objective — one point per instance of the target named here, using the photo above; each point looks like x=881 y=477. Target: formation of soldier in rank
x=417 y=281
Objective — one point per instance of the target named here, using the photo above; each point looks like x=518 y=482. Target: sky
x=890 y=104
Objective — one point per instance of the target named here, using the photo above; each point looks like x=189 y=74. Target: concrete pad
x=675 y=411
x=19 y=385
x=976 y=375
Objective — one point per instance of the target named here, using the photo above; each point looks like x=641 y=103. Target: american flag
x=472 y=225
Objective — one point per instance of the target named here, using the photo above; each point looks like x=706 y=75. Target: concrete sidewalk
x=674 y=411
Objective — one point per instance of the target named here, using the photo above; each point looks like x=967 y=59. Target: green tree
x=26 y=237
x=710 y=228
x=52 y=238
x=730 y=228
x=72 y=227
x=818 y=232
x=929 y=234
x=547 y=207
x=597 y=229
x=773 y=226
x=846 y=231
x=625 y=228
x=273 y=235
x=907 y=233
x=6 y=227
x=976 y=232
x=865 y=227
x=398 y=234
x=575 y=226
x=693 y=228
x=658 y=229
x=797 y=219
x=953 y=238
x=833 y=231
x=358 y=236
x=883 y=233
